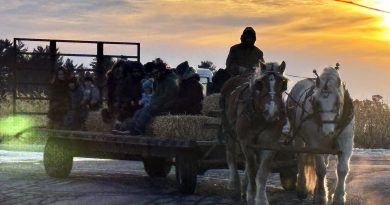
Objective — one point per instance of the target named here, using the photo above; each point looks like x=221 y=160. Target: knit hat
x=147 y=84
x=184 y=70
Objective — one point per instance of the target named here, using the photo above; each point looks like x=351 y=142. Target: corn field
x=372 y=128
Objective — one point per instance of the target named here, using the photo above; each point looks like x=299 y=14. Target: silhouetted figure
x=58 y=98
x=91 y=93
x=167 y=90
x=77 y=111
x=124 y=90
x=190 y=96
x=244 y=57
x=219 y=79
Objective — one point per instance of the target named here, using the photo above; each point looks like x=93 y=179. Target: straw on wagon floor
x=211 y=104
x=169 y=126
x=189 y=127
x=95 y=122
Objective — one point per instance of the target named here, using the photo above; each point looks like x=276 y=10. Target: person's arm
x=168 y=91
x=232 y=62
x=95 y=95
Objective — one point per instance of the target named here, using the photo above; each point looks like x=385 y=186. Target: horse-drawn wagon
x=158 y=153
x=191 y=157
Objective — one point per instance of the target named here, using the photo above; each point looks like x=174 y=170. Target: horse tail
x=310 y=172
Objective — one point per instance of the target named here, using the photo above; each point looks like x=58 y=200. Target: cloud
x=306 y=33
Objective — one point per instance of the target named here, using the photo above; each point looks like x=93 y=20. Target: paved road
x=23 y=181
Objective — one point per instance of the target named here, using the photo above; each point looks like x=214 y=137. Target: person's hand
x=140 y=102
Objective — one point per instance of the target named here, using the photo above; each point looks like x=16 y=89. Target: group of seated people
x=163 y=91
x=135 y=93
x=71 y=98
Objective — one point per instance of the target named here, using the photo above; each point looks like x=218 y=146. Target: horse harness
x=249 y=111
x=341 y=122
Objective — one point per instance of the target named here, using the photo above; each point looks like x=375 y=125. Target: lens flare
x=11 y=125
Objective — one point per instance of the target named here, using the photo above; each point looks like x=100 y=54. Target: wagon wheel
x=186 y=171
x=57 y=158
x=157 y=167
x=288 y=178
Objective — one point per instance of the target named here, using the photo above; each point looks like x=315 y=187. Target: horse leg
x=321 y=192
x=250 y=167
x=234 y=178
x=339 y=196
x=266 y=158
x=302 y=190
x=244 y=183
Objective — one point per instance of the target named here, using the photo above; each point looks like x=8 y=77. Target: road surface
x=94 y=181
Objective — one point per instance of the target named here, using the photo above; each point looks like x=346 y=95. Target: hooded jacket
x=190 y=96
x=244 y=54
x=167 y=90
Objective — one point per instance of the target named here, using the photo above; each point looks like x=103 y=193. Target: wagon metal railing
x=54 y=55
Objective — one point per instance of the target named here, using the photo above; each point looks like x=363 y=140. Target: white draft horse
x=253 y=112
x=321 y=115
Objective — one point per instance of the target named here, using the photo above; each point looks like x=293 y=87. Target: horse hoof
x=302 y=194
x=320 y=197
x=250 y=201
x=262 y=203
x=338 y=200
x=320 y=201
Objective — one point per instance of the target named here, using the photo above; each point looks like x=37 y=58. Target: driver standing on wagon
x=242 y=61
x=244 y=57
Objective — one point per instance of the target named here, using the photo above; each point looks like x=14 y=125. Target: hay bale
x=211 y=104
x=95 y=122
x=188 y=127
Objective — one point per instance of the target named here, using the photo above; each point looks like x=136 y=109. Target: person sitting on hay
x=147 y=93
x=190 y=96
x=167 y=89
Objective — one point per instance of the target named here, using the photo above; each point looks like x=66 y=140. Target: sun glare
x=384 y=5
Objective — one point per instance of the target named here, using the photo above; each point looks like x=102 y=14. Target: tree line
x=34 y=68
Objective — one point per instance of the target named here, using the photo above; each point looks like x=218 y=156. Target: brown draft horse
x=253 y=112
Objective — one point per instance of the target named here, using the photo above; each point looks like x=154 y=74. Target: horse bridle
x=252 y=108
x=317 y=111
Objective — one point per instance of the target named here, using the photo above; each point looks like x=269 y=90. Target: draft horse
x=253 y=112
x=321 y=115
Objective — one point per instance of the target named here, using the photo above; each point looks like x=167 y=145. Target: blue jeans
x=140 y=119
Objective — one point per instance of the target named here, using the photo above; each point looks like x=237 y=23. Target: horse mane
x=269 y=67
x=330 y=75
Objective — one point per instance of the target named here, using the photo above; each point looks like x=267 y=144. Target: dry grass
x=183 y=127
x=372 y=128
x=95 y=123
x=211 y=104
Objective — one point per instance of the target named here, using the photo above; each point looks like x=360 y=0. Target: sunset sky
x=307 y=34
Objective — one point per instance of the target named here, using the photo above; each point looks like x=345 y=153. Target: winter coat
x=247 y=56
x=190 y=96
x=130 y=92
x=146 y=99
x=167 y=90
x=91 y=96
x=77 y=112
x=58 y=103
